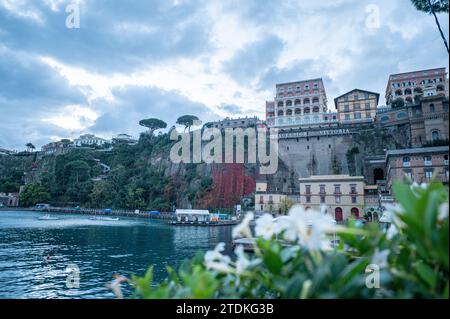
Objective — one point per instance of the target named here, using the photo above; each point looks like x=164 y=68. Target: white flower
x=391 y=232
x=443 y=211
x=241 y=262
x=394 y=211
x=243 y=229
x=216 y=254
x=215 y=260
x=265 y=226
x=308 y=228
x=379 y=258
x=294 y=225
x=219 y=266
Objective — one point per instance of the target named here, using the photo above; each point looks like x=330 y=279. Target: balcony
x=406 y=164
x=428 y=163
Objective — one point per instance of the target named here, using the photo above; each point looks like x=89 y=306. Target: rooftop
x=421 y=150
x=340 y=177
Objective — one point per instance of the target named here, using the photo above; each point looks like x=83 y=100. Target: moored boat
x=48 y=217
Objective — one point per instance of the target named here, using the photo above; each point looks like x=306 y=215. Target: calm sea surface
x=34 y=254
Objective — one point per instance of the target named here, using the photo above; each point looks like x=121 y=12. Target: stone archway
x=378 y=175
x=338 y=214
x=355 y=212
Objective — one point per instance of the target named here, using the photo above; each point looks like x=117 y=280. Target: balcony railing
x=427 y=163
x=406 y=164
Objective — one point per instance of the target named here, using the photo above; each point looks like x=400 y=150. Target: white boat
x=108 y=219
x=48 y=217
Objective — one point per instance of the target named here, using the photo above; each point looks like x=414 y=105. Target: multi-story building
x=300 y=103
x=9 y=199
x=427 y=118
x=243 y=122
x=266 y=200
x=56 y=148
x=407 y=86
x=417 y=164
x=4 y=151
x=125 y=138
x=357 y=106
x=89 y=140
x=341 y=195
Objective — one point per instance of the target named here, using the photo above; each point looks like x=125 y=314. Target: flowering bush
x=296 y=256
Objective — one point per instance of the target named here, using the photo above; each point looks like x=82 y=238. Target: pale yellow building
x=341 y=195
x=267 y=201
x=357 y=106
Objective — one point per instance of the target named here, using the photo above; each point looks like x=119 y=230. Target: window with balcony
x=308 y=199
x=337 y=189
x=307 y=189
x=406 y=161
x=347 y=116
x=427 y=160
x=368 y=115
x=367 y=106
x=337 y=199
x=353 y=199
x=357 y=106
x=353 y=189
x=261 y=199
x=322 y=199
x=429 y=173
x=322 y=189
x=357 y=115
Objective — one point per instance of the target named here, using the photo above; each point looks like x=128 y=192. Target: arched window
x=298 y=111
x=289 y=112
x=297 y=102
x=435 y=135
x=418 y=90
x=440 y=88
x=280 y=113
x=280 y=104
x=315 y=100
x=288 y=103
x=398 y=92
x=408 y=92
x=306 y=101
x=355 y=212
x=409 y=100
x=315 y=109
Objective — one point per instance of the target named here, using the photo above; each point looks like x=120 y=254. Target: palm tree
x=433 y=7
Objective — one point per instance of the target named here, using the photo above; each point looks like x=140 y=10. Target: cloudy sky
x=136 y=59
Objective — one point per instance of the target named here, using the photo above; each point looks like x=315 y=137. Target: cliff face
x=142 y=176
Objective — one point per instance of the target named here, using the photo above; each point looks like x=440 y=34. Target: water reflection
x=34 y=253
